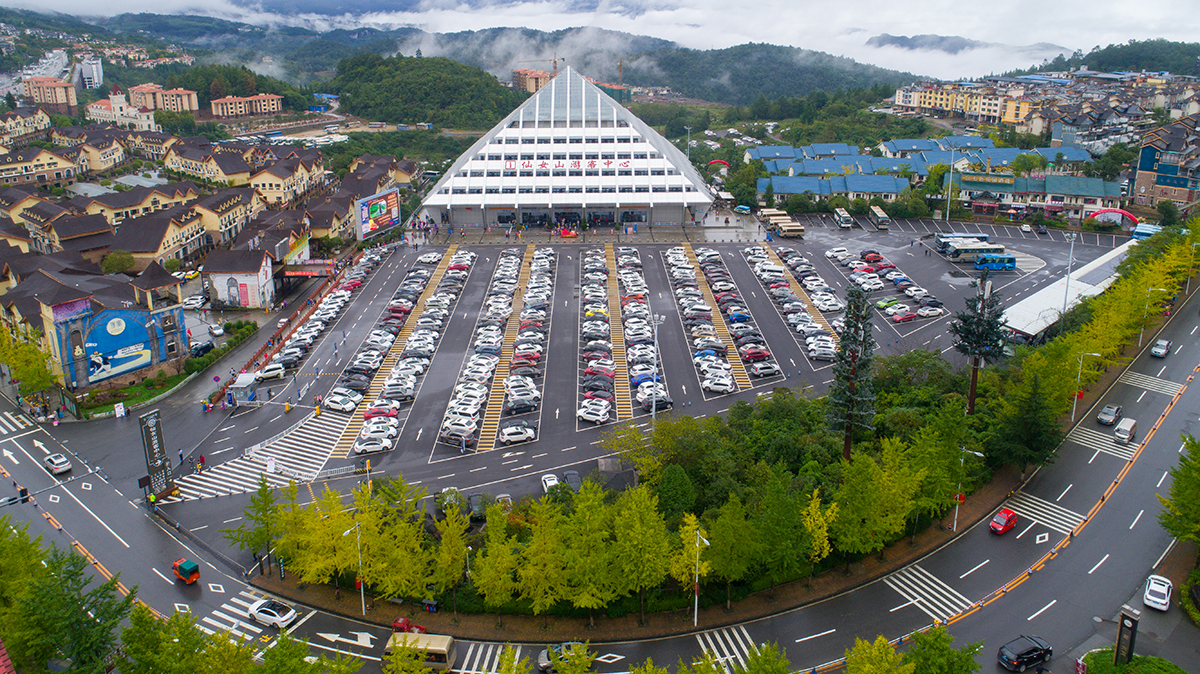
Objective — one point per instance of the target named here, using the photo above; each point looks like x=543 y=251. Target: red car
x=904 y=318
x=530 y=324
x=720 y=296
x=522 y=362
x=595 y=355
x=754 y=354
x=599 y=369
x=1003 y=521
x=379 y=412
x=872 y=257
x=352 y=284
x=780 y=284
x=633 y=296
x=599 y=395
x=884 y=265
x=403 y=624
x=460 y=265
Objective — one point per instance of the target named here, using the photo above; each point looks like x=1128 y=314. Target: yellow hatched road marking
x=616 y=335
x=802 y=294
x=344 y=444
x=495 y=405
x=731 y=353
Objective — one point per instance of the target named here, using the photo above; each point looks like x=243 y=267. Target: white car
x=929 y=312
x=271 y=371
x=1158 y=593
x=340 y=403
x=549 y=480
x=371 y=445
x=916 y=292
x=430 y=258
x=272 y=612
x=1026 y=228
x=510 y=434
x=194 y=302
x=834 y=252
x=896 y=309
x=377 y=431
x=713 y=385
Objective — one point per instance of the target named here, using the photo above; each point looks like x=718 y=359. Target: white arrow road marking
x=40 y=446
x=11 y=457
x=364 y=638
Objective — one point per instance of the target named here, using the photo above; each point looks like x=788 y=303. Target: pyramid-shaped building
x=569 y=154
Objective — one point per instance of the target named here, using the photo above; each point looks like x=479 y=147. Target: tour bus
x=790 y=229
x=351 y=125
x=332 y=127
x=272 y=134
x=967 y=251
x=375 y=125
x=996 y=262
x=843 y=218
x=742 y=210
x=768 y=213
x=879 y=218
x=439 y=648
x=942 y=240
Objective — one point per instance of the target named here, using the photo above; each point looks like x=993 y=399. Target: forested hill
x=739 y=75
x=1180 y=58
x=411 y=89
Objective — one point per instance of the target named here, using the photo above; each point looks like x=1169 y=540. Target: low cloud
x=841 y=28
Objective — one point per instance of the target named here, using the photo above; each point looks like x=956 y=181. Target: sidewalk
x=529 y=629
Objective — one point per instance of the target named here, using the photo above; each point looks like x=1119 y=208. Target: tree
x=1028 y=431
x=405 y=657
x=872 y=505
x=676 y=494
x=932 y=652
x=769 y=195
x=647 y=667
x=851 y=400
x=450 y=559
x=1180 y=515
x=1026 y=163
x=508 y=663
x=58 y=616
x=327 y=553
x=767 y=659
x=542 y=574
x=1168 y=212
x=777 y=517
x=172 y=265
x=496 y=564
x=30 y=366
x=257 y=527
x=979 y=332
x=690 y=546
x=640 y=543
x=10 y=101
x=735 y=544
x=878 y=657
x=816 y=521
x=575 y=658
x=588 y=567
x=176 y=646
x=117 y=262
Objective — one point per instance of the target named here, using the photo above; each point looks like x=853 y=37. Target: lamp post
x=696 y=586
x=689 y=142
x=1188 y=291
x=949 y=186
x=658 y=320
x=1146 y=313
x=1078 y=378
x=1070 y=236
x=362 y=589
x=469 y=549
x=962 y=461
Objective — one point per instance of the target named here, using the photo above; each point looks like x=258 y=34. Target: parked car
x=1024 y=652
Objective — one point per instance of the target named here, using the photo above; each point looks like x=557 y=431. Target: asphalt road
x=1098 y=569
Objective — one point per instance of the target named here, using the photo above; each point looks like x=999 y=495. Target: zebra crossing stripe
x=484 y=658
x=1050 y=514
x=8 y=425
x=20 y=421
x=726 y=645
x=1101 y=442
x=1149 y=383
x=932 y=596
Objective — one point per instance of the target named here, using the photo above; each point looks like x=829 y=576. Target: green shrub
x=1101 y=662
x=1185 y=596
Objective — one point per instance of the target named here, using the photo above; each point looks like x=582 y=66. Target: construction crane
x=554 y=60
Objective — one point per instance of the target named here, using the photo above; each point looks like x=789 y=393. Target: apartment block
x=249 y=106
x=51 y=93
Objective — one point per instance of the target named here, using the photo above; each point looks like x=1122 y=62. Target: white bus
x=879 y=218
x=843 y=218
x=790 y=229
x=439 y=648
x=967 y=251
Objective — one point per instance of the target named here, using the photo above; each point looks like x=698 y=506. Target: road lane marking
x=1161 y=479
x=1102 y=560
x=446 y=477
x=1052 y=603
x=1135 y=520
x=1064 y=493
x=814 y=636
x=977 y=567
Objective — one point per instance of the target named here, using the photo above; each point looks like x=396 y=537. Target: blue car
x=493 y=350
x=900 y=279
x=738 y=317
x=643 y=378
x=704 y=352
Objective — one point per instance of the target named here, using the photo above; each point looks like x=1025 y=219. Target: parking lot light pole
x=1146 y=313
x=949 y=186
x=658 y=320
x=1070 y=236
x=962 y=461
x=1078 y=378
x=696 y=586
x=1188 y=291
x=362 y=588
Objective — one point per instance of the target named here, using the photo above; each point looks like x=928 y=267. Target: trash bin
x=429 y=605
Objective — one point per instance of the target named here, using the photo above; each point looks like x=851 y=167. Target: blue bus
x=272 y=134
x=943 y=240
x=969 y=251
x=994 y=262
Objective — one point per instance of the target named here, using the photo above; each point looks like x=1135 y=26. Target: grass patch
x=131 y=395
x=1101 y=662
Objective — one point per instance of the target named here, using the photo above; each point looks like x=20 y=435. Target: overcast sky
x=839 y=27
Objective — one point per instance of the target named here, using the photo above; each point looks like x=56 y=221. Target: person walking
x=181 y=457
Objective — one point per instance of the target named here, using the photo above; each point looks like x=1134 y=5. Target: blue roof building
x=966 y=143
x=823 y=150
x=903 y=147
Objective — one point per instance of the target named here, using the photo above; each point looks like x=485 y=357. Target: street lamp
x=1146 y=312
x=950 y=185
x=962 y=461
x=689 y=142
x=469 y=549
x=1070 y=236
x=1078 y=377
x=658 y=320
x=362 y=590
x=1188 y=291
x=696 y=586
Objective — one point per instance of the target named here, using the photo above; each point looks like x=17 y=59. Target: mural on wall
x=116 y=343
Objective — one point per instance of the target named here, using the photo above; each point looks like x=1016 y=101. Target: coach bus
x=438 y=648
x=790 y=229
x=967 y=251
x=272 y=134
x=879 y=218
x=942 y=239
x=994 y=262
x=843 y=219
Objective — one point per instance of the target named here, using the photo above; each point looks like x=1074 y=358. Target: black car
x=477 y=509
x=750 y=339
x=571 y=477
x=929 y=302
x=519 y=423
x=639 y=341
x=1024 y=652
x=288 y=362
x=526 y=371
x=520 y=406
x=354 y=384
x=660 y=403
x=202 y=348
x=357 y=369
x=598 y=385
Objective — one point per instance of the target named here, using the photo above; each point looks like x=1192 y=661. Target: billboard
x=116 y=342
x=378 y=212
x=157 y=464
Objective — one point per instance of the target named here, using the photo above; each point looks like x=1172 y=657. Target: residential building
x=332 y=217
x=1168 y=164
x=226 y=213
x=52 y=94
x=286 y=180
x=117 y=111
x=120 y=206
x=176 y=232
x=150 y=144
x=240 y=278
x=89 y=235
x=91 y=72
x=208 y=164
x=154 y=97
x=249 y=106
x=1003 y=193
x=36 y=166
x=529 y=80
x=22 y=125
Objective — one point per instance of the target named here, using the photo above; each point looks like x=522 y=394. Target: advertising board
x=377 y=212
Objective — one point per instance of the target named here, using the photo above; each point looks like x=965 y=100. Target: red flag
x=189 y=332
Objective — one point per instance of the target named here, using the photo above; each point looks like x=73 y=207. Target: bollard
x=287 y=407
x=318 y=411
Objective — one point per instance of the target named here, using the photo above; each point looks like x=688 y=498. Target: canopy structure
x=569 y=155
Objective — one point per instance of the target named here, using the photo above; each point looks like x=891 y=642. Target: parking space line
x=616 y=334
x=731 y=354
x=495 y=405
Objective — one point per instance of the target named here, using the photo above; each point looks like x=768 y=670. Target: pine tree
x=589 y=575
x=851 y=397
x=1028 y=431
x=980 y=332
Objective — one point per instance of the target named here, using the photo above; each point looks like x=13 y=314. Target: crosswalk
x=297 y=456
x=13 y=423
x=1149 y=383
x=1044 y=512
x=927 y=592
x=727 y=646
x=1026 y=263
x=1101 y=442
x=233 y=617
x=484 y=658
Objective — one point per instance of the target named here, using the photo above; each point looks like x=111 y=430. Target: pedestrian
x=181 y=457
x=201 y=460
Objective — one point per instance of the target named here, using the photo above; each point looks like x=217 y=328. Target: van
x=764 y=268
x=1126 y=431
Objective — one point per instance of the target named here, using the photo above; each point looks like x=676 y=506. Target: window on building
x=542 y=173
x=559 y=190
